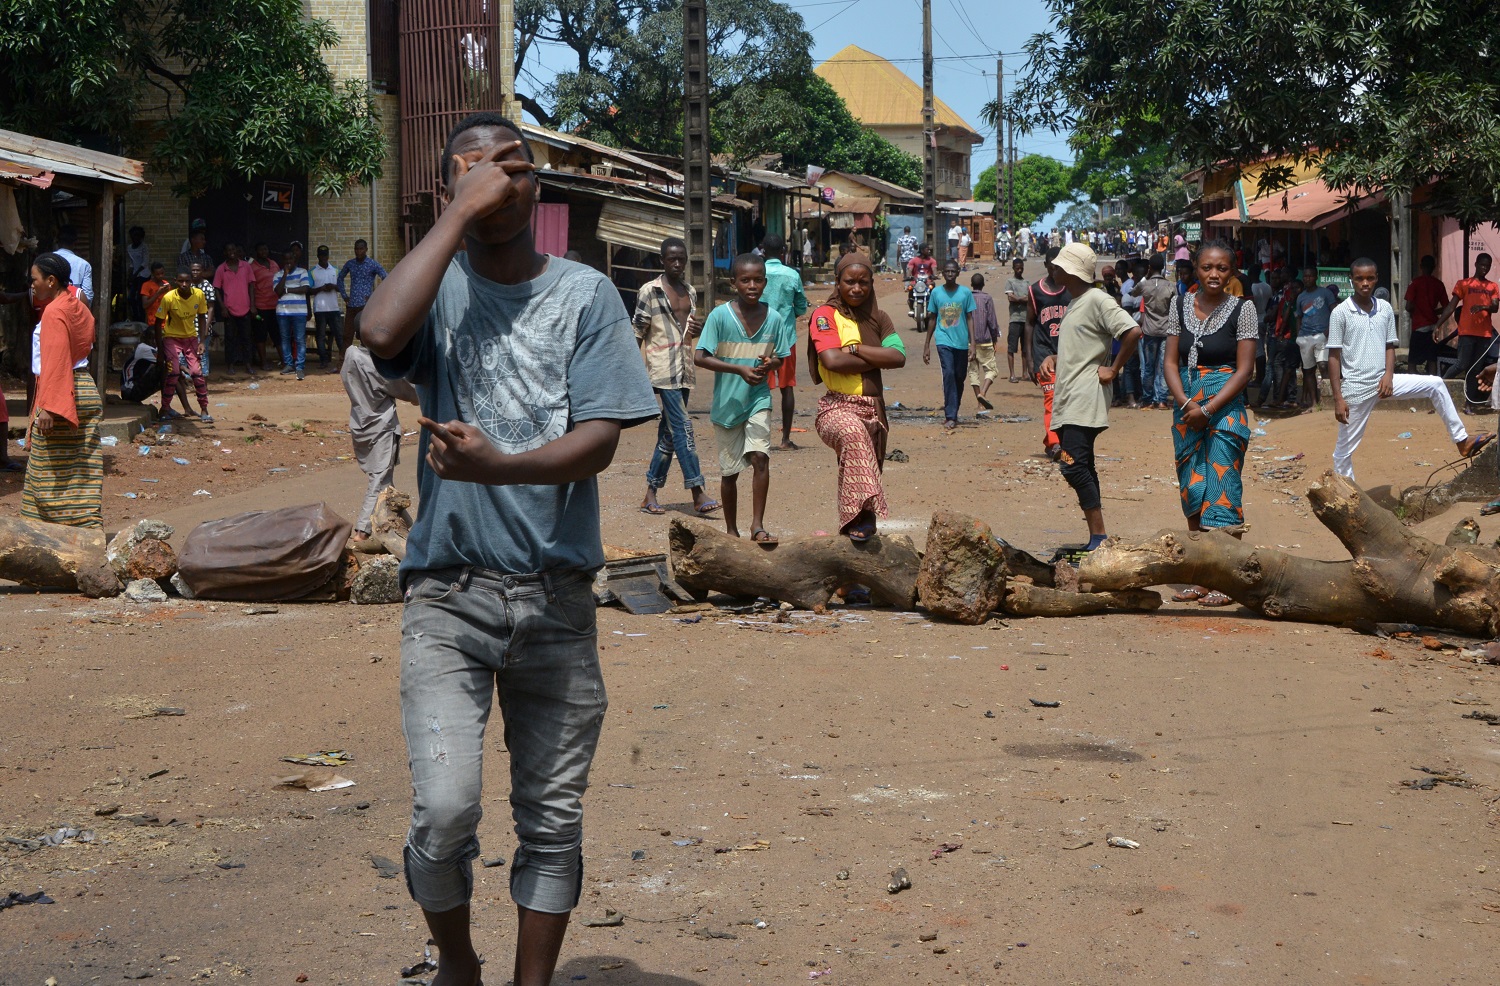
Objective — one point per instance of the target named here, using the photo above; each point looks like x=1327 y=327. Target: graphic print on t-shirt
x=512 y=421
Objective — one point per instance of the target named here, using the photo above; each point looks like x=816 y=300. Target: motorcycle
x=920 y=288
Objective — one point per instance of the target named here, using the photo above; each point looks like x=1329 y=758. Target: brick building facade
x=235 y=213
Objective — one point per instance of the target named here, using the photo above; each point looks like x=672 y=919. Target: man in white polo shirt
x=1362 y=370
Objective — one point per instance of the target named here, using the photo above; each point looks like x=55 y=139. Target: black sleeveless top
x=1050 y=309
x=1218 y=348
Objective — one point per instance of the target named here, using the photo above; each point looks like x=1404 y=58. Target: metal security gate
x=450 y=67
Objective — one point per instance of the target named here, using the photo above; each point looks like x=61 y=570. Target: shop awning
x=1310 y=205
x=850 y=204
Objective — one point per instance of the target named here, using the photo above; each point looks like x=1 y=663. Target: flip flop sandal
x=985 y=404
x=707 y=507
x=655 y=510
x=1190 y=594
x=1480 y=441
x=860 y=533
x=1215 y=598
x=763 y=537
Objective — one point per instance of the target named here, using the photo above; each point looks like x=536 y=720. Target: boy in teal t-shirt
x=742 y=342
x=950 y=323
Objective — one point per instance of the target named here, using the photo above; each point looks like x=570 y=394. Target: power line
x=967 y=21
x=851 y=4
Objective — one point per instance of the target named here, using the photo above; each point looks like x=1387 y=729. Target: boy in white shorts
x=742 y=342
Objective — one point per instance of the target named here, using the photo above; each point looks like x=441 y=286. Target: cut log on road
x=1395 y=575
x=46 y=555
x=390 y=522
x=805 y=572
x=1024 y=599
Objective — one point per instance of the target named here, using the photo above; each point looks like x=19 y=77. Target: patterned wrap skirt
x=854 y=426
x=65 y=469
x=1209 y=462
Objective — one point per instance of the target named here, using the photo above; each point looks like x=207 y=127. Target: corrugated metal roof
x=639 y=224
x=880 y=94
x=13 y=173
x=889 y=189
x=66 y=159
x=969 y=206
x=556 y=139
x=770 y=179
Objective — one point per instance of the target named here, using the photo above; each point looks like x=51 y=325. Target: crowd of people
x=262 y=307
x=264 y=310
x=518 y=423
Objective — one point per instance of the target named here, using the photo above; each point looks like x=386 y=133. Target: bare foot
x=789 y=446
x=457 y=971
x=359 y=536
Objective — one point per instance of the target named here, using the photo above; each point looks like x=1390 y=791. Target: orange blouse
x=67 y=337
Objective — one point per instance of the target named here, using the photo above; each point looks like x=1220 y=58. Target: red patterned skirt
x=854 y=426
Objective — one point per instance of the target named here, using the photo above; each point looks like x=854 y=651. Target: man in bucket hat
x=1084 y=372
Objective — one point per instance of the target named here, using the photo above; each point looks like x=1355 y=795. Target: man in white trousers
x=1362 y=371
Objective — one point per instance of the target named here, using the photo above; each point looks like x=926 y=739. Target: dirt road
x=1258 y=765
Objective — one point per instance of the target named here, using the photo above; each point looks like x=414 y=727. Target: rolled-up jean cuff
x=548 y=878
x=440 y=885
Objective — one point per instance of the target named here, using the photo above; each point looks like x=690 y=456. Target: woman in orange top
x=850 y=341
x=65 y=464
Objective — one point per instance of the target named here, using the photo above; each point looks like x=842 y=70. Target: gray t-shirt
x=1361 y=338
x=1157 y=292
x=1017 y=286
x=524 y=363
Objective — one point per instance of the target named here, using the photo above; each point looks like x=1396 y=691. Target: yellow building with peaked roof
x=887 y=101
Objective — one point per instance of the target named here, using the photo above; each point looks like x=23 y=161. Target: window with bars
x=385 y=48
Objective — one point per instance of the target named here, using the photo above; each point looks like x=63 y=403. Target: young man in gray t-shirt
x=1015 y=296
x=527 y=370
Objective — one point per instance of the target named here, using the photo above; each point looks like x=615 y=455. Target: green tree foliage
x=823 y=133
x=1079 y=215
x=1041 y=182
x=243 y=84
x=1149 y=179
x=1375 y=88
x=627 y=87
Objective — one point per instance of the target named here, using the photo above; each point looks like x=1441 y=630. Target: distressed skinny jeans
x=468 y=635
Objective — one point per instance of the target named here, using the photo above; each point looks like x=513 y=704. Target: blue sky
x=966 y=37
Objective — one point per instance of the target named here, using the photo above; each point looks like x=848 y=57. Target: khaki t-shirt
x=1094 y=320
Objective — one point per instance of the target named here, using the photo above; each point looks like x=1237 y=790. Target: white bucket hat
x=1078 y=260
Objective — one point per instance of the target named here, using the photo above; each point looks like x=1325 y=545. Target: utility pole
x=505 y=28
x=1010 y=173
x=697 y=193
x=929 y=142
x=1002 y=170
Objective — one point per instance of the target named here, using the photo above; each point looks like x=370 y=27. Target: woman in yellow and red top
x=850 y=342
x=65 y=464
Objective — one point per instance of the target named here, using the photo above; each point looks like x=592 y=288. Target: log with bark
x=46 y=555
x=805 y=572
x=390 y=522
x=1394 y=574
